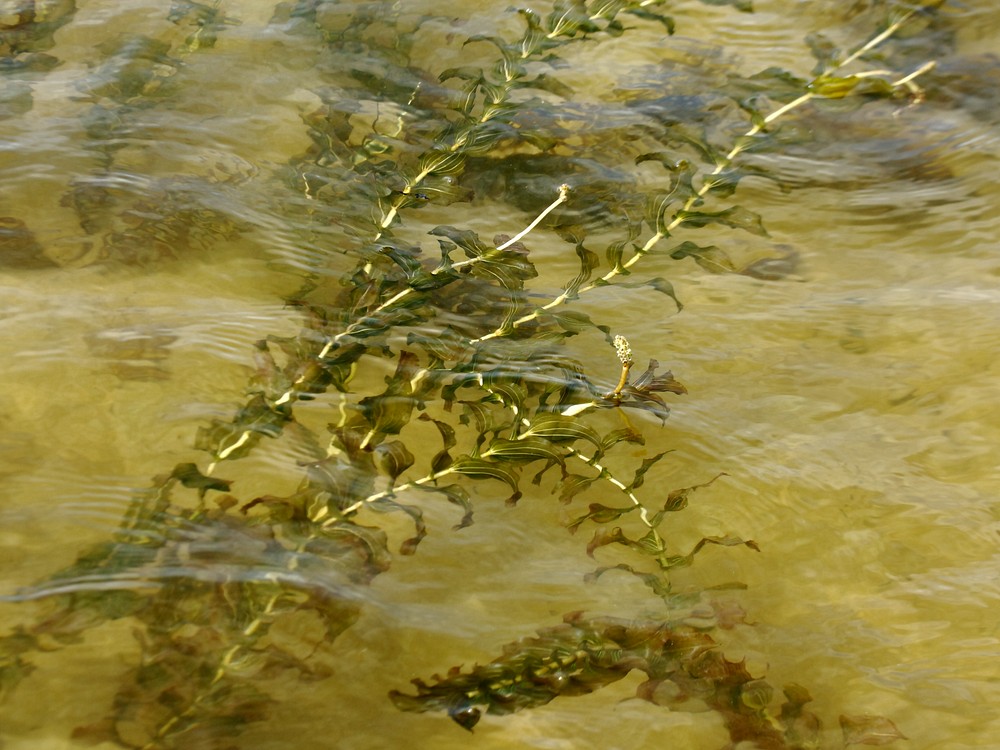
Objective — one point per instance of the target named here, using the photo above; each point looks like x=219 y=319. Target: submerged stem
x=723 y=164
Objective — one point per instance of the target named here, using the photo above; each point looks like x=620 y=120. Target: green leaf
x=465 y=73
x=824 y=50
x=544 y=82
x=711 y=258
x=441 y=162
x=605 y=536
x=649 y=544
x=390 y=411
x=506 y=387
x=589 y=262
x=558 y=428
x=680 y=191
x=389 y=505
x=660 y=284
x=659 y=585
x=574 y=322
x=465 y=238
x=647 y=464
x=256 y=419
x=745 y=6
x=189 y=476
x=442 y=459
x=625 y=434
x=457 y=494
x=667 y=21
x=509 y=267
x=573 y=484
x=478 y=468
x=678 y=499
x=723 y=184
x=833 y=87
x=614 y=254
x=392 y=458
x=524 y=450
x=735 y=216
x=722 y=541
x=442 y=346
x=599 y=513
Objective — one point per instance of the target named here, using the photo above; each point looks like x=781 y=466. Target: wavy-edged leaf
x=682 y=561
x=443 y=190
x=774 y=83
x=525 y=450
x=189 y=476
x=745 y=6
x=390 y=505
x=736 y=217
x=711 y=258
x=404 y=257
x=723 y=184
x=869 y=730
x=680 y=191
x=441 y=162
x=659 y=585
x=615 y=253
x=574 y=322
x=442 y=459
x=465 y=238
x=463 y=72
x=557 y=428
x=660 y=284
x=507 y=388
x=647 y=464
x=510 y=266
x=390 y=411
x=573 y=484
x=667 y=21
x=589 y=262
x=599 y=513
x=545 y=82
x=237 y=438
x=446 y=430
x=569 y=18
x=649 y=381
x=648 y=544
x=625 y=434
x=642 y=394
x=392 y=458
x=678 y=499
x=827 y=53
x=456 y=494
x=478 y=468
x=445 y=345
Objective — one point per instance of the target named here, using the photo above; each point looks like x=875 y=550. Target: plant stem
x=723 y=164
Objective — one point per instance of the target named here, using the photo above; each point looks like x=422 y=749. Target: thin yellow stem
x=723 y=164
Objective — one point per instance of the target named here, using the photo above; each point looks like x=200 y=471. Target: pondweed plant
x=479 y=359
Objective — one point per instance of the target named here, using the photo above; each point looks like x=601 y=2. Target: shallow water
x=851 y=398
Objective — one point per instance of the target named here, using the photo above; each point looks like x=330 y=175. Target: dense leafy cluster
x=473 y=356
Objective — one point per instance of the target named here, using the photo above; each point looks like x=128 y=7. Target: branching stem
x=292 y=392
x=722 y=165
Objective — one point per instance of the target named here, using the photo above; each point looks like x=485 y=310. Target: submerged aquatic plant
x=474 y=359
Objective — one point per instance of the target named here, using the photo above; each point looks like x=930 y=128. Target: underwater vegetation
x=480 y=396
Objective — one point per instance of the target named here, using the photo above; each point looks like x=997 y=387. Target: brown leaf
x=869 y=730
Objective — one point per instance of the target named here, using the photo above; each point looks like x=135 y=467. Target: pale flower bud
x=624 y=350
